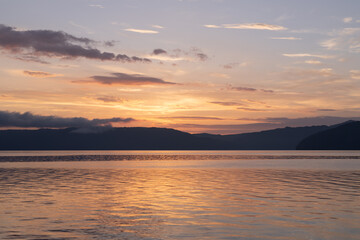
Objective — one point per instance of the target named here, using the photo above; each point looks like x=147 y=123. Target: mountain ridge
x=142 y=138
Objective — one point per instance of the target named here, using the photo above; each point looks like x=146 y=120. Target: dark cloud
x=244 y=89
x=251 y=109
x=249 y=89
x=110 y=99
x=27 y=119
x=159 y=51
x=230 y=65
x=266 y=90
x=202 y=56
x=55 y=43
x=109 y=43
x=38 y=74
x=195 y=118
x=326 y=110
x=194 y=53
x=227 y=103
x=127 y=79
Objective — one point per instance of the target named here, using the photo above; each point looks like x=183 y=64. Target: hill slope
x=343 y=137
x=110 y=139
x=277 y=139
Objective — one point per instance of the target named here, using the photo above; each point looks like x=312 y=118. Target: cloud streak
x=247 y=89
x=286 y=38
x=39 y=74
x=50 y=43
x=297 y=55
x=125 y=79
x=252 y=26
x=29 y=120
x=193 y=54
x=143 y=31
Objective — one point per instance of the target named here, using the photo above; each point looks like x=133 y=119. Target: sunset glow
x=197 y=66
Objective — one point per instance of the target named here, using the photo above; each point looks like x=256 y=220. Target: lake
x=180 y=195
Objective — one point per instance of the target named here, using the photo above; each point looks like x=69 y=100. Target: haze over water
x=212 y=195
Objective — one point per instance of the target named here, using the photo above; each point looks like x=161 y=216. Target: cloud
x=227 y=103
x=286 y=38
x=202 y=56
x=250 y=109
x=355 y=74
x=109 y=99
x=39 y=74
x=313 y=62
x=212 y=26
x=194 y=54
x=255 y=26
x=193 y=117
x=247 y=89
x=347 y=20
x=143 y=31
x=27 y=119
x=325 y=110
x=96 y=5
x=157 y=26
x=243 y=89
x=344 y=39
x=296 y=55
x=126 y=79
x=159 y=51
x=48 y=43
x=236 y=64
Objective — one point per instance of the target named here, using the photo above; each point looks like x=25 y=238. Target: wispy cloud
x=48 y=43
x=157 y=26
x=96 y=5
x=251 y=109
x=125 y=79
x=27 y=119
x=296 y=55
x=39 y=74
x=355 y=74
x=347 y=20
x=326 y=110
x=248 y=89
x=193 y=54
x=254 y=26
x=233 y=65
x=193 y=118
x=287 y=38
x=212 y=26
x=313 y=62
x=110 y=99
x=227 y=103
x=143 y=31
x=344 y=39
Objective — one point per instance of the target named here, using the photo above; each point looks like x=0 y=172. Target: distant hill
x=342 y=137
x=108 y=139
x=278 y=139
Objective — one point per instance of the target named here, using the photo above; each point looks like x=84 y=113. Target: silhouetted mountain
x=343 y=137
x=109 y=139
x=277 y=139
x=169 y=139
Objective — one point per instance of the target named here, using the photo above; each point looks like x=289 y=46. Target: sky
x=215 y=66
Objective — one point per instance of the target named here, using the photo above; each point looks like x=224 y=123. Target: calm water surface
x=180 y=195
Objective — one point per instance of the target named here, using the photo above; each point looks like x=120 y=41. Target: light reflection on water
x=178 y=203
